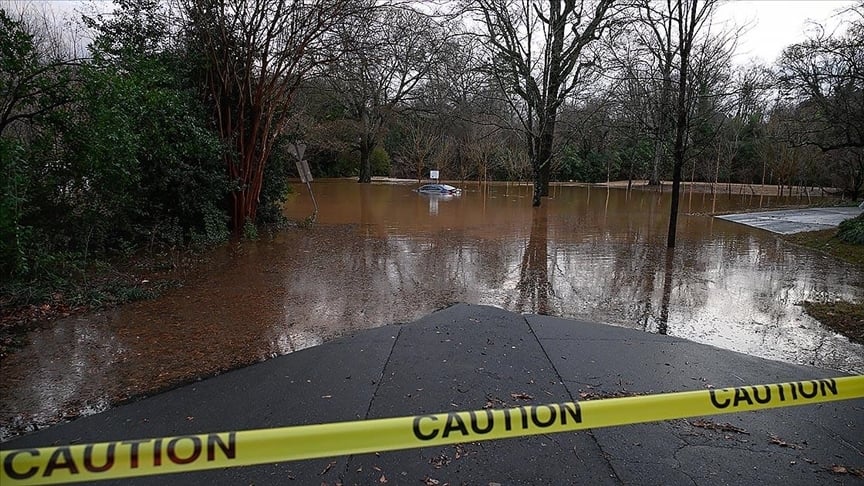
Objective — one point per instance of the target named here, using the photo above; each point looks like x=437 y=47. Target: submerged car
x=439 y=189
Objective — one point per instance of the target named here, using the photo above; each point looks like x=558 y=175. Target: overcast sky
x=773 y=24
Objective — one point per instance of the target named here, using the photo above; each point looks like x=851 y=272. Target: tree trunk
x=681 y=127
x=543 y=166
x=365 y=161
x=654 y=179
x=662 y=121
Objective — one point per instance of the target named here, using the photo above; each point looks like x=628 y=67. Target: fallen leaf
x=440 y=461
x=521 y=396
x=724 y=427
x=599 y=395
x=329 y=467
x=382 y=479
x=773 y=439
x=430 y=481
x=838 y=469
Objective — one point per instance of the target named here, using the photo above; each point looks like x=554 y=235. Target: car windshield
x=438 y=188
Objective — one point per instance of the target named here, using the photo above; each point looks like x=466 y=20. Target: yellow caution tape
x=130 y=458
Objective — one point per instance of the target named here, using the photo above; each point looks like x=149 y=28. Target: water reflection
x=534 y=287
x=382 y=253
x=663 y=325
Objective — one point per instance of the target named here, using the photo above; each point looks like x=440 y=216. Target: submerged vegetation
x=829 y=242
x=846 y=318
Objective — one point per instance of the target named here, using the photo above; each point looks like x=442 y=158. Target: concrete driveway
x=791 y=221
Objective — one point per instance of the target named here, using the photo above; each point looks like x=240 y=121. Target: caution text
x=467 y=424
x=777 y=393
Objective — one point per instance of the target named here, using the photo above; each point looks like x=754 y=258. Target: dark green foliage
x=332 y=163
x=33 y=88
x=582 y=165
x=852 y=230
x=275 y=188
x=13 y=237
x=127 y=163
x=380 y=161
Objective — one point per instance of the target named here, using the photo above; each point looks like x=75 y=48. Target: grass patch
x=827 y=242
x=847 y=318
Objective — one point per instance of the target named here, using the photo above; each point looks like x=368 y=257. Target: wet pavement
x=473 y=357
x=790 y=221
x=384 y=254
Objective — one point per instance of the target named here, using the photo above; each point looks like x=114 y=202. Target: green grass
x=828 y=242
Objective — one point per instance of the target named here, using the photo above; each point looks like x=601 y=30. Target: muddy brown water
x=382 y=253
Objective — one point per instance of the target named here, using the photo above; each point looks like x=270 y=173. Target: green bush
x=124 y=160
x=380 y=161
x=852 y=230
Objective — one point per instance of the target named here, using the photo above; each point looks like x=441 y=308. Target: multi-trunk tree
x=257 y=53
x=538 y=54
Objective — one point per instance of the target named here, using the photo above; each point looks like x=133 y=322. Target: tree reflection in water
x=663 y=325
x=534 y=287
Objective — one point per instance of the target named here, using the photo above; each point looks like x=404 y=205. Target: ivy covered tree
x=256 y=54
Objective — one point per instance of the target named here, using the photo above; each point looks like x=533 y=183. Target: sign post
x=433 y=174
x=297 y=150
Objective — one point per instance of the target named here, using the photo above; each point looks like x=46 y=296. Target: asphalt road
x=466 y=357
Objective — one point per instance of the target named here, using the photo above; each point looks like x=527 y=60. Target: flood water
x=382 y=253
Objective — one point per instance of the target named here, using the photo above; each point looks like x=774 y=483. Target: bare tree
x=388 y=53
x=689 y=16
x=419 y=144
x=258 y=52
x=537 y=53
x=825 y=76
x=653 y=42
x=820 y=107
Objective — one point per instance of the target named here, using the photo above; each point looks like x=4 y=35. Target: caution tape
x=131 y=458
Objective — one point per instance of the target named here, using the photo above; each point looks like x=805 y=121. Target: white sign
x=303 y=170
x=433 y=174
x=297 y=150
